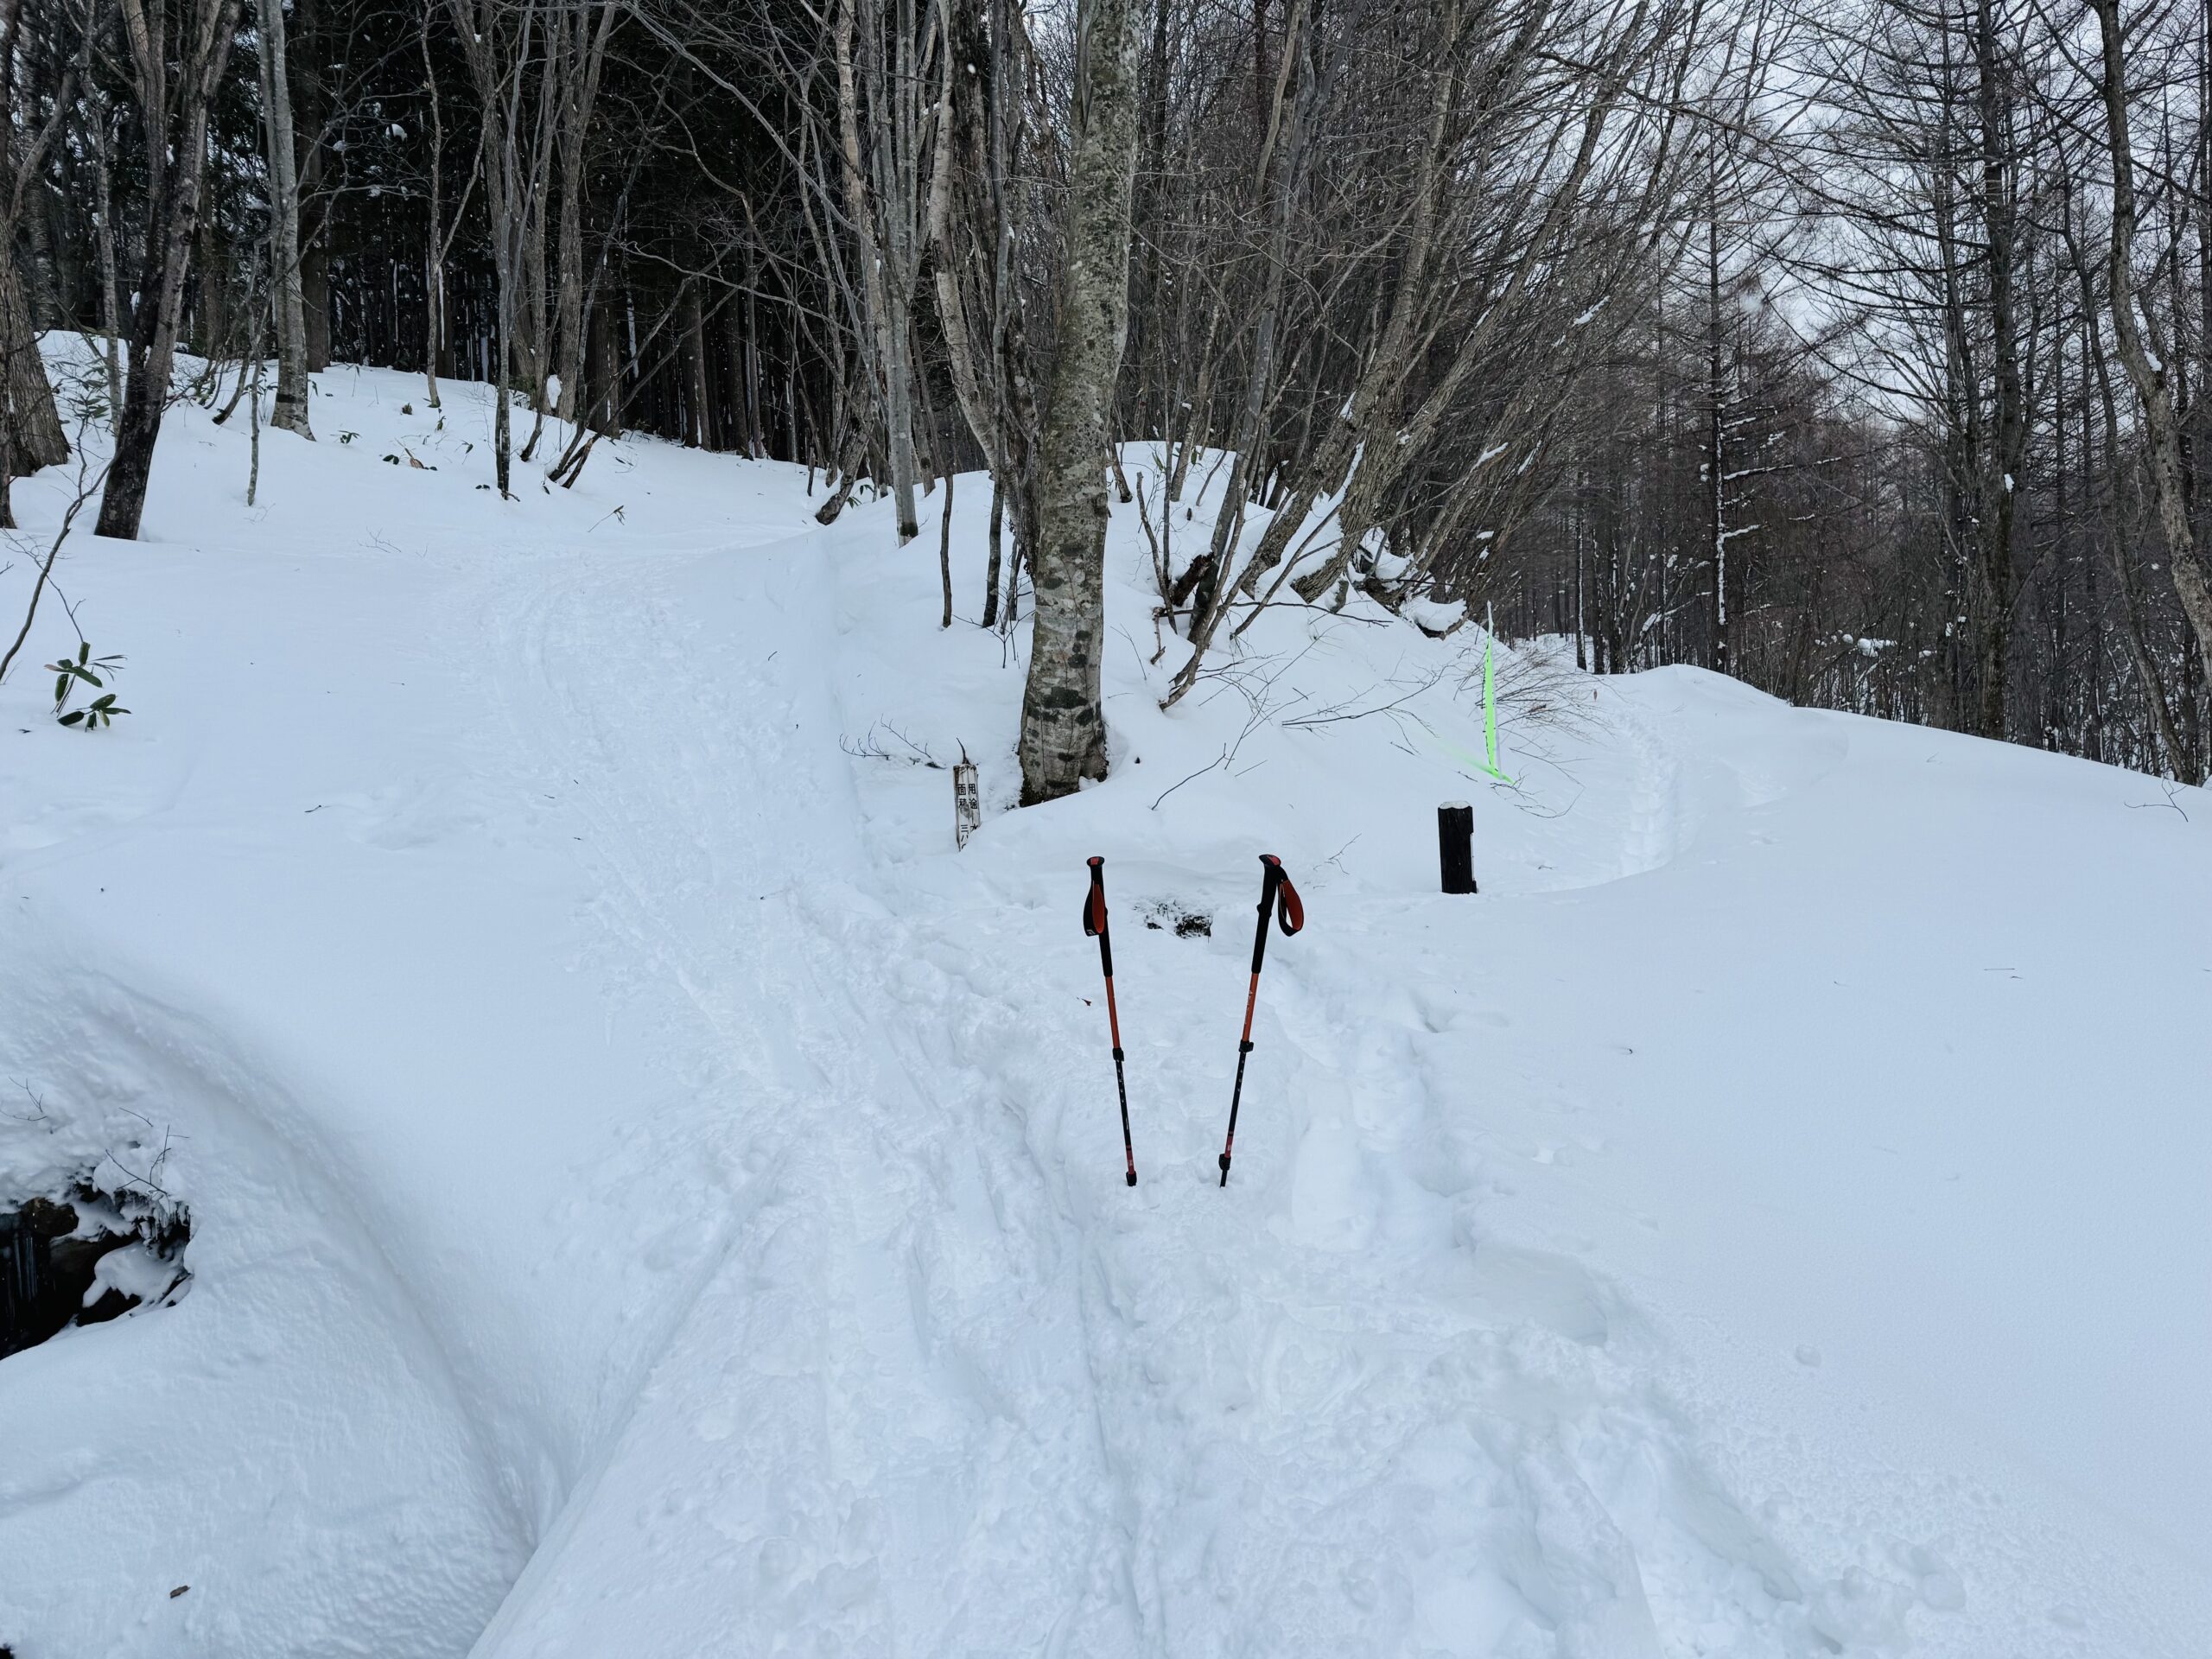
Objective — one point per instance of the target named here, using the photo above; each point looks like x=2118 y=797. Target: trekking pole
x=1093 y=922
x=1277 y=894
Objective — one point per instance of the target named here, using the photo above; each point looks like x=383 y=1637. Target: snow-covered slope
x=652 y=1196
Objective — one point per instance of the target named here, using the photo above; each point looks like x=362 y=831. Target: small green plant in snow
x=85 y=670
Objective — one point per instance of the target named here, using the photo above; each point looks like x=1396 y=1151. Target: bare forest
x=1859 y=351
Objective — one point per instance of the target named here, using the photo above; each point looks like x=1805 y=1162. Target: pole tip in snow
x=1133 y=1178
x=1224 y=1169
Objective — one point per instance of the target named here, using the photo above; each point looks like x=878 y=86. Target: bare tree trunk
x=498 y=55
x=290 y=413
x=1063 y=727
x=253 y=415
x=433 y=250
x=29 y=421
x=603 y=396
x=2191 y=581
x=945 y=553
x=175 y=116
x=991 y=571
x=537 y=359
x=698 y=431
x=1716 y=435
x=311 y=110
x=111 y=282
x=2095 y=372
x=953 y=255
x=2007 y=463
x=579 y=97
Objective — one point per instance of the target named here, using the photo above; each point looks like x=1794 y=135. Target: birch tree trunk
x=1063 y=728
x=290 y=413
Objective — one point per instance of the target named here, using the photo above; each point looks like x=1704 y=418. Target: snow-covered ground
x=651 y=1195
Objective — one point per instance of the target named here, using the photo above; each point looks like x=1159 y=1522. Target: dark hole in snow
x=84 y=1256
x=1187 y=924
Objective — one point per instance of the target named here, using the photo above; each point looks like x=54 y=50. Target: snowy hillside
x=650 y=1195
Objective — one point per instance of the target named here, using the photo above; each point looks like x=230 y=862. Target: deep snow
x=651 y=1195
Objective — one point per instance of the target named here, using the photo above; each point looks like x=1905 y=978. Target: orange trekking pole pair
x=1276 y=895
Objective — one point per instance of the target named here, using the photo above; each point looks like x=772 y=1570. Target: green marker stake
x=1476 y=763
x=1489 y=707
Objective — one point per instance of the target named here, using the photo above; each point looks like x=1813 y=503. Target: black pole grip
x=1271 y=872
x=1277 y=894
x=1093 y=914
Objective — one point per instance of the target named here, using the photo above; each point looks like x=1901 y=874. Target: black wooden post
x=1455 y=846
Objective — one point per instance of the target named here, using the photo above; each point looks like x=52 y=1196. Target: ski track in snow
x=824 y=1447
x=1655 y=804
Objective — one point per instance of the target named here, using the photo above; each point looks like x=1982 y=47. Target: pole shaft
x=1235 y=1095
x=1120 y=1082
x=1121 y=1088
x=1251 y=1001
x=1094 y=921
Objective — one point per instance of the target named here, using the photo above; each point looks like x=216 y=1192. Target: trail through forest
x=651 y=1194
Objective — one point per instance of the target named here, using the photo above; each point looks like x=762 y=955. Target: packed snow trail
x=654 y=1196
x=870 y=1430
x=916 y=1409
